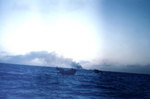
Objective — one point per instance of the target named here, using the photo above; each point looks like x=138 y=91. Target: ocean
x=35 y=82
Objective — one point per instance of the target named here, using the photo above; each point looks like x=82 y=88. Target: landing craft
x=66 y=72
x=97 y=71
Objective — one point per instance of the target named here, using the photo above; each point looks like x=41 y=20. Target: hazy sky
x=98 y=31
x=67 y=27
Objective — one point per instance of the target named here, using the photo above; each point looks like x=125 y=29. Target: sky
x=103 y=34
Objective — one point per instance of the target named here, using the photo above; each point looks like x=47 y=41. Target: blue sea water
x=34 y=82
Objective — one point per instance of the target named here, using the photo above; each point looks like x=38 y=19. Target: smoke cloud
x=109 y=66
x=41 y=58
x=44 y=58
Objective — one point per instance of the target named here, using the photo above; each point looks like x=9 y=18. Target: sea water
x=35 y=82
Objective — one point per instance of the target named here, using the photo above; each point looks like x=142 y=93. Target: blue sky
x=98 y=31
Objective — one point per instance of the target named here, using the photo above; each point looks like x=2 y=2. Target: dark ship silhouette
x=97 y=71
x=66 y=72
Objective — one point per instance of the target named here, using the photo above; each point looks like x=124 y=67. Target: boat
x=97 y=71
x=66 y=72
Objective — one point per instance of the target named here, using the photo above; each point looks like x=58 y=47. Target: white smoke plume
x=41 y=58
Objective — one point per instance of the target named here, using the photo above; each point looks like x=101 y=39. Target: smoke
x=44 y=58
x=41 y=58
x=114 y=67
